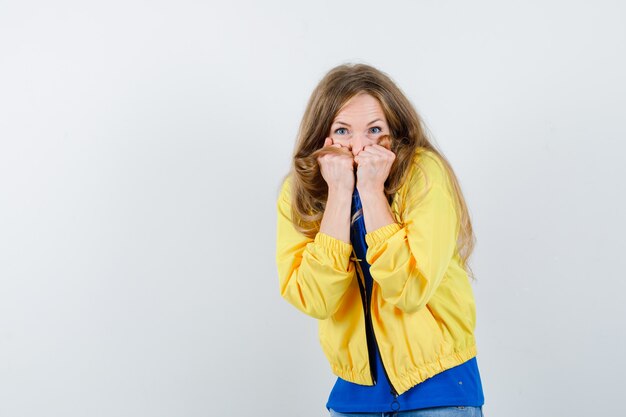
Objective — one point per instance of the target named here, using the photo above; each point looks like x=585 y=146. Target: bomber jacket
x=422 y=304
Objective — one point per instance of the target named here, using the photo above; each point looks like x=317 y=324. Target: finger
x=368 y=155
x=368 y=152
x=327 y=142
x=376 y=149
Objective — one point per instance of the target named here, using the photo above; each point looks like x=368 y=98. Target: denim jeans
x=460 y=411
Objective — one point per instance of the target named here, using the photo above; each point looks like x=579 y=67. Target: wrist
x=340 y=191
x=371 y=192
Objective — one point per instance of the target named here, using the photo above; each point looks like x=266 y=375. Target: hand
x=373 y=166
x=337 y=166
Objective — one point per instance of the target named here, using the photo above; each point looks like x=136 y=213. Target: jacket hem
x=413 y=376
x=356 y=377
x=410 y=377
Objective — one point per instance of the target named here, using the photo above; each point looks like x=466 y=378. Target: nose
x=357 y=143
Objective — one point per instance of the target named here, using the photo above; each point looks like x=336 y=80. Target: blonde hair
x=309 y=190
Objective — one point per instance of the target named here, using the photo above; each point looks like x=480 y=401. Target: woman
x=373 y=237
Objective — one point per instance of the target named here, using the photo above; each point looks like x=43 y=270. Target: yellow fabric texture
x=422 y=309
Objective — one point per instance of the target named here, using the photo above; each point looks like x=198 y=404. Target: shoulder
x=427 y=169
x=284 y=192
x=427 y=186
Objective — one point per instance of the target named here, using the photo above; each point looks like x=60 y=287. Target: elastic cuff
x=381 y=234
x=335 y=245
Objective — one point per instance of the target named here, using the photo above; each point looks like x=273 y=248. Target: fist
x=336 y=166
x=373 y=166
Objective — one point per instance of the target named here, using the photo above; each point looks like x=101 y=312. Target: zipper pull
x=395 y=404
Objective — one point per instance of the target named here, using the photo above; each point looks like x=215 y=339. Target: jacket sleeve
x=409 y=260
x=314 y=274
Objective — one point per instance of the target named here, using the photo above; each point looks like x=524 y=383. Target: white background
x=141 y=149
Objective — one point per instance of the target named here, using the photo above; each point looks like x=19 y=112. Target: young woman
x=373 y=237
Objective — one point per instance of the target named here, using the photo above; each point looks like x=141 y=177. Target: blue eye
x=375 y=129
x=341 y=131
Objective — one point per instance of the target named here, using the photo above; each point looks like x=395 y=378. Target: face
x=360 y=122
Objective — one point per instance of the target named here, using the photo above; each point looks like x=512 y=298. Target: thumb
x=327 y=142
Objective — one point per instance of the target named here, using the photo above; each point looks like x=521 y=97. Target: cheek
x=340 y=139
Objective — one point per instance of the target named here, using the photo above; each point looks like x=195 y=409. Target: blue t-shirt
x=458 y=386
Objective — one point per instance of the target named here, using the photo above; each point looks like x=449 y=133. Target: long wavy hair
x=309 y=190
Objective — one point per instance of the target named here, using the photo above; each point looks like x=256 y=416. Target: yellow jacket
x=422 y=309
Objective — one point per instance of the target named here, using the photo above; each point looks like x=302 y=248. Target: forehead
x=361 y=105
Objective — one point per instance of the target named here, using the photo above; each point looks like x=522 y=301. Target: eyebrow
x=346 y=124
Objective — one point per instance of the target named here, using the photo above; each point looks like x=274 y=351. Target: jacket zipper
x=361 y=281
x=393 y=389
x=368 y=318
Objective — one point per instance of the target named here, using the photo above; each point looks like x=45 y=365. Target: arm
x=376 y=210
x=314 y=274
x=336 y=218
x=409 y=261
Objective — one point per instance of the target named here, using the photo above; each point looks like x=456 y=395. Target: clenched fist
x=337 y=166
x=373 y=165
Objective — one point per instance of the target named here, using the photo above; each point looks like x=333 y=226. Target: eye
x=341 y=131
x=375 y=129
